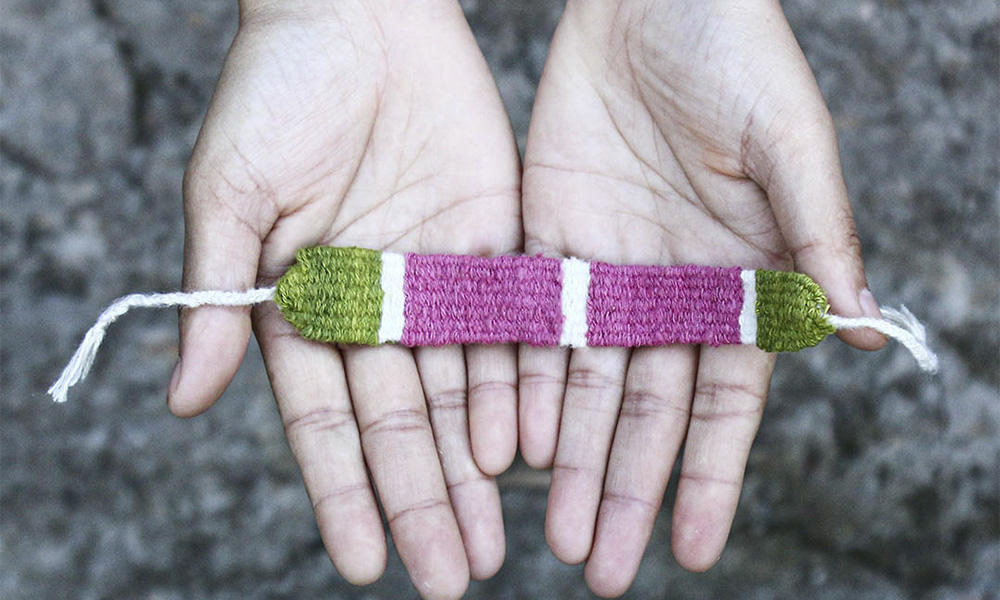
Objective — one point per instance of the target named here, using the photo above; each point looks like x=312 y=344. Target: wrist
x=265 y=10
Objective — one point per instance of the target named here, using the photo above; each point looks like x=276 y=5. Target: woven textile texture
x=338 y=295
x=473 y=300
x=333 y=294
x=791 y=312
x=652 y=306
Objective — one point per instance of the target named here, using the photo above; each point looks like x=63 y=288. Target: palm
x=651 y=143
x=658 y=167
x=362 y=144
x=352 y=130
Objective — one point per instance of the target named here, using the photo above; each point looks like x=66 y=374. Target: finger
x=492 y=374
x=221 y=252
x=311 y=392
x=799 y=168
x=474 y=496
x=590 y=408
x=541 y=376
x=403 y=460
x=815 y=218
x=651 y=427
x=729 y=398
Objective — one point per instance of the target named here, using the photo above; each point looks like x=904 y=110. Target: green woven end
x=791 y=312
x=333 y=294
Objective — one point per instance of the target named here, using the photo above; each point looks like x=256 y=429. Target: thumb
x=807 y=193
x=222 y=248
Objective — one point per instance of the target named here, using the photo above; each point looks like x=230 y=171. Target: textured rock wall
x=868 y=480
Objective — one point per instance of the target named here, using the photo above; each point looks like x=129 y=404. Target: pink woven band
x=464 y=300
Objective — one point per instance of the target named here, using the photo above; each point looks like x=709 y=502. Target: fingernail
x=869 y=306
x=175 y=378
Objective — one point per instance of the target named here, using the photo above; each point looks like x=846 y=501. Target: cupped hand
x=372 y=124
x=671 y=132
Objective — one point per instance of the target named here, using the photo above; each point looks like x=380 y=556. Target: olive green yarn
x=333 y=294
x=791 y=312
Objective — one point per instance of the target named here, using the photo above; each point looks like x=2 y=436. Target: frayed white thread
x=900 y=325
x=84 y=357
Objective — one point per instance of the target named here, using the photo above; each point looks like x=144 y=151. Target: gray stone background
x=869 y=480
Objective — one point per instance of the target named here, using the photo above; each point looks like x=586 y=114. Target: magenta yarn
x=651 y=306
x=475 y=300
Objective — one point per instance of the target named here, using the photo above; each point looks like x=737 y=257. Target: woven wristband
x=359 y=296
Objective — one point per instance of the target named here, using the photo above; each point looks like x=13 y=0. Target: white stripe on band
x=748 y=316
x=393 y=271
x=575 y=291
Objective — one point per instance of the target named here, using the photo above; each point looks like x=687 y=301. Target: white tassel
x=900 y=325
x=84 y=357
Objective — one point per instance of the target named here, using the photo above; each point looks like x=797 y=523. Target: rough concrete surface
x=869 y=480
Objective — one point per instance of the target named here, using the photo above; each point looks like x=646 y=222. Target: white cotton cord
x=900 y=325
x=84 y=357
